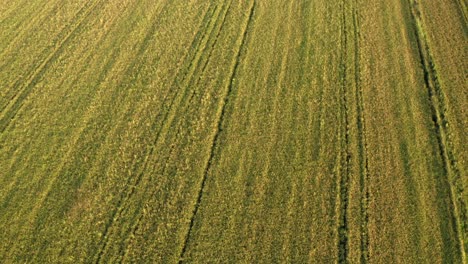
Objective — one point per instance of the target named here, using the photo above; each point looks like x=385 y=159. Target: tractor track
x=169 y=116
x=78 y=135
x=214 y=145
x=438 y=108
x=8 y=113
x=362 y=141
x=222 y=18
x=344 y=179
x=22 y=30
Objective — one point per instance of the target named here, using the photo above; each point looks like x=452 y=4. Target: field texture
x=224 y=131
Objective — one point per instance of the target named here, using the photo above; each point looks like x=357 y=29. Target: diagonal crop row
x=362 y=142
x=168 y=121
x=343 y=228
x=219 y=126
x=78 y=135
x=463 y=10
x=39 y=15
x=441 y=124
x=9 y=111
x=200 y=46
x=169 y=117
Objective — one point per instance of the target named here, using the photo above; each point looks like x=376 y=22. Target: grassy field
x=233 y=131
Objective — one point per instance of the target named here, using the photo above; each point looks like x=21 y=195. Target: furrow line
x=100 y=80
x=46 y=53
x=130 y=188
x=462 y=9
x=167 y=122
x=438 y=107
x=75 y=139
x=289 y=242
x=223 y=22
x=362 y=141
x=343 y=228
x=11 y=9
x=220 y=122
x=135 y=227
x=9 y=112
x=38 y=14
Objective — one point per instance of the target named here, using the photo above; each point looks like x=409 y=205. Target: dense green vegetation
x=233 y=131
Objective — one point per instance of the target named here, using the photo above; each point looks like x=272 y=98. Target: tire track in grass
x=168 y=123
x=39 y=15
x=100 y=80
x=343 y=228
x=9 y=112
x=171 y=113
x=288 y=243
x=220 y=122
x=130 y=190
x=10 y=93
x=9 y=10
x=77 y=136
x=20 y=29
x=131 y=234
x=362 y=141
x=438 y=108
x=463 y=9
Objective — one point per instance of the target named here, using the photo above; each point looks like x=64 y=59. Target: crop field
x=224 y=131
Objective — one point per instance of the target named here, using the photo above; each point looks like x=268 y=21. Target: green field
x=223 y=131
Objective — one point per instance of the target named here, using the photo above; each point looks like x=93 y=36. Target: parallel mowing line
x=78 y=134
x=218 y=130
x=11 y=9
x=10 y=111
x=438 y=109
x=124 y=252
x=281 y=79
x=10 y=189
x=45 y=53
x=343 y=228
x=37 y=14
x=129 y=191
x=167 y=121
x=362 y=142
x=45 y=11
x=462 y=9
